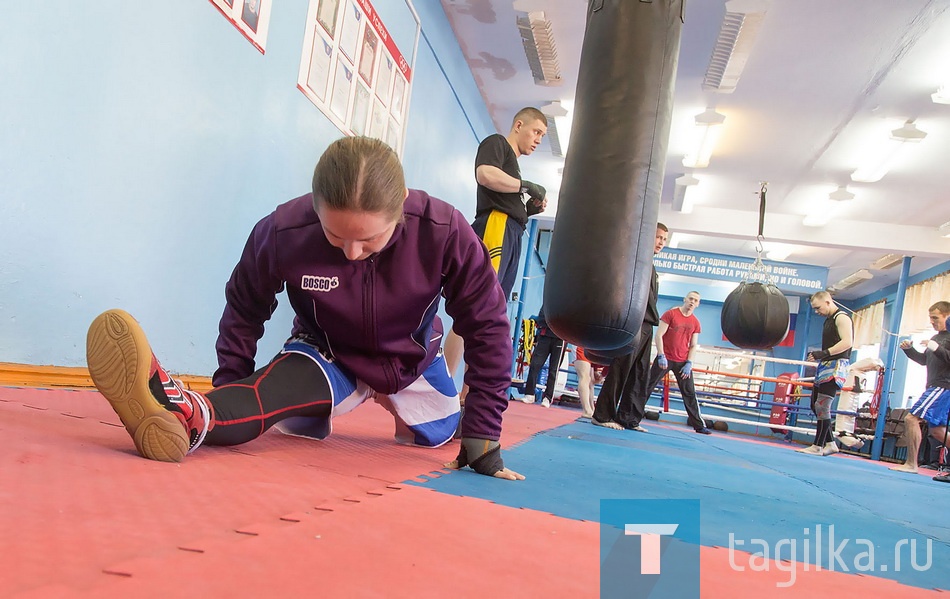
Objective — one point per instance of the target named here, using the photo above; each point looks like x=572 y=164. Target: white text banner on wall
x=787 y=276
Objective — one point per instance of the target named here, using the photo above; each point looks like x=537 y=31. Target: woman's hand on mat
x=484 y=457
x=508 y=474
x=504 y=473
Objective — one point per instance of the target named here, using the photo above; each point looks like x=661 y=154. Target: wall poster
x=353 y=71
x=251 y=17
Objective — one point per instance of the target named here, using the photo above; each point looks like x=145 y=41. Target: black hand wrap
x=534 y=190
x=487 y=456
x=819 y=355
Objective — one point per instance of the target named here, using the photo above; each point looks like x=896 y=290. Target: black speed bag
x=755 y=316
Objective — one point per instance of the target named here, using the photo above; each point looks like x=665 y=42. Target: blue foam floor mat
x=749 y=490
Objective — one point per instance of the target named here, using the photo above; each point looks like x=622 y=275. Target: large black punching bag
x=755 y=316
x=605 y=357
x=599 y=266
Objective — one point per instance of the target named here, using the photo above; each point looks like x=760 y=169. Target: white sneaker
x=810 y=450
x=527 y=398
x=829 y=448
x=545 y=403
x=851 y=442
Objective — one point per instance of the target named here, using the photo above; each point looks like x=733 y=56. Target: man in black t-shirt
x=834 y=358
x=934 y=402
x=501 y=212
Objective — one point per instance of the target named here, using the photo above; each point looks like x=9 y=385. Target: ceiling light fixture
x=841 y=194
x=887 y=261
x=708 y=125
x=737 y=34
x=944 y=229
x=539 y=48
x=852 y=280
x=554 y=138
x=942 y=95
x=881 y=162
x=552 y=110
x=682 y=200
x=823 y=211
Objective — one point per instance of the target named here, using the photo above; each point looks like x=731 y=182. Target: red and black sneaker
x=166 y=421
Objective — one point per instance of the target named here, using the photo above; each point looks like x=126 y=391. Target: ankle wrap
x=483 y=455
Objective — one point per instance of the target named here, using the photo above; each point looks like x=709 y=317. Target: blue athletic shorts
x=932 y=406
x=429 y=406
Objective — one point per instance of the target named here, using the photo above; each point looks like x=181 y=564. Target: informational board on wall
x=251 y=17
x=353 y=71
x=787 y=276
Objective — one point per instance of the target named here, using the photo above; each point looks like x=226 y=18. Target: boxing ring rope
x=748 y=401
x=746 y=405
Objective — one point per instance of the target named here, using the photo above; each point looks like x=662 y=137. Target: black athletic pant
x=552 y=350
x=502 y=236
x=623 y=396
x=290 y=385
x=687 y=390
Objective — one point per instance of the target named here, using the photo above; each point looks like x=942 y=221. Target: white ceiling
x=825 y=80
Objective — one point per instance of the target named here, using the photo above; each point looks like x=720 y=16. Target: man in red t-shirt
x=677 y=337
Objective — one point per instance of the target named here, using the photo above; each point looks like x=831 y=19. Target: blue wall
x=141 y=145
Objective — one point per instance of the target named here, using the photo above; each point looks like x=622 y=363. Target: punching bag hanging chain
x=758 y=271
x=755 y=315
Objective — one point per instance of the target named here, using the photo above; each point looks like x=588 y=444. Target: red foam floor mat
x=408 y=541
x=405 y=542
x=75 y=498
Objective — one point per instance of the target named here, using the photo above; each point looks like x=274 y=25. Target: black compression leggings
x=824 y=431
x=290 y=385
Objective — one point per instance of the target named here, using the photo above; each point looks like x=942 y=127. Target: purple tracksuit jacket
x=377 y=316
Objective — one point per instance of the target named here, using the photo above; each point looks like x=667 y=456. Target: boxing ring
x=732 y=388
x=746 y=396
